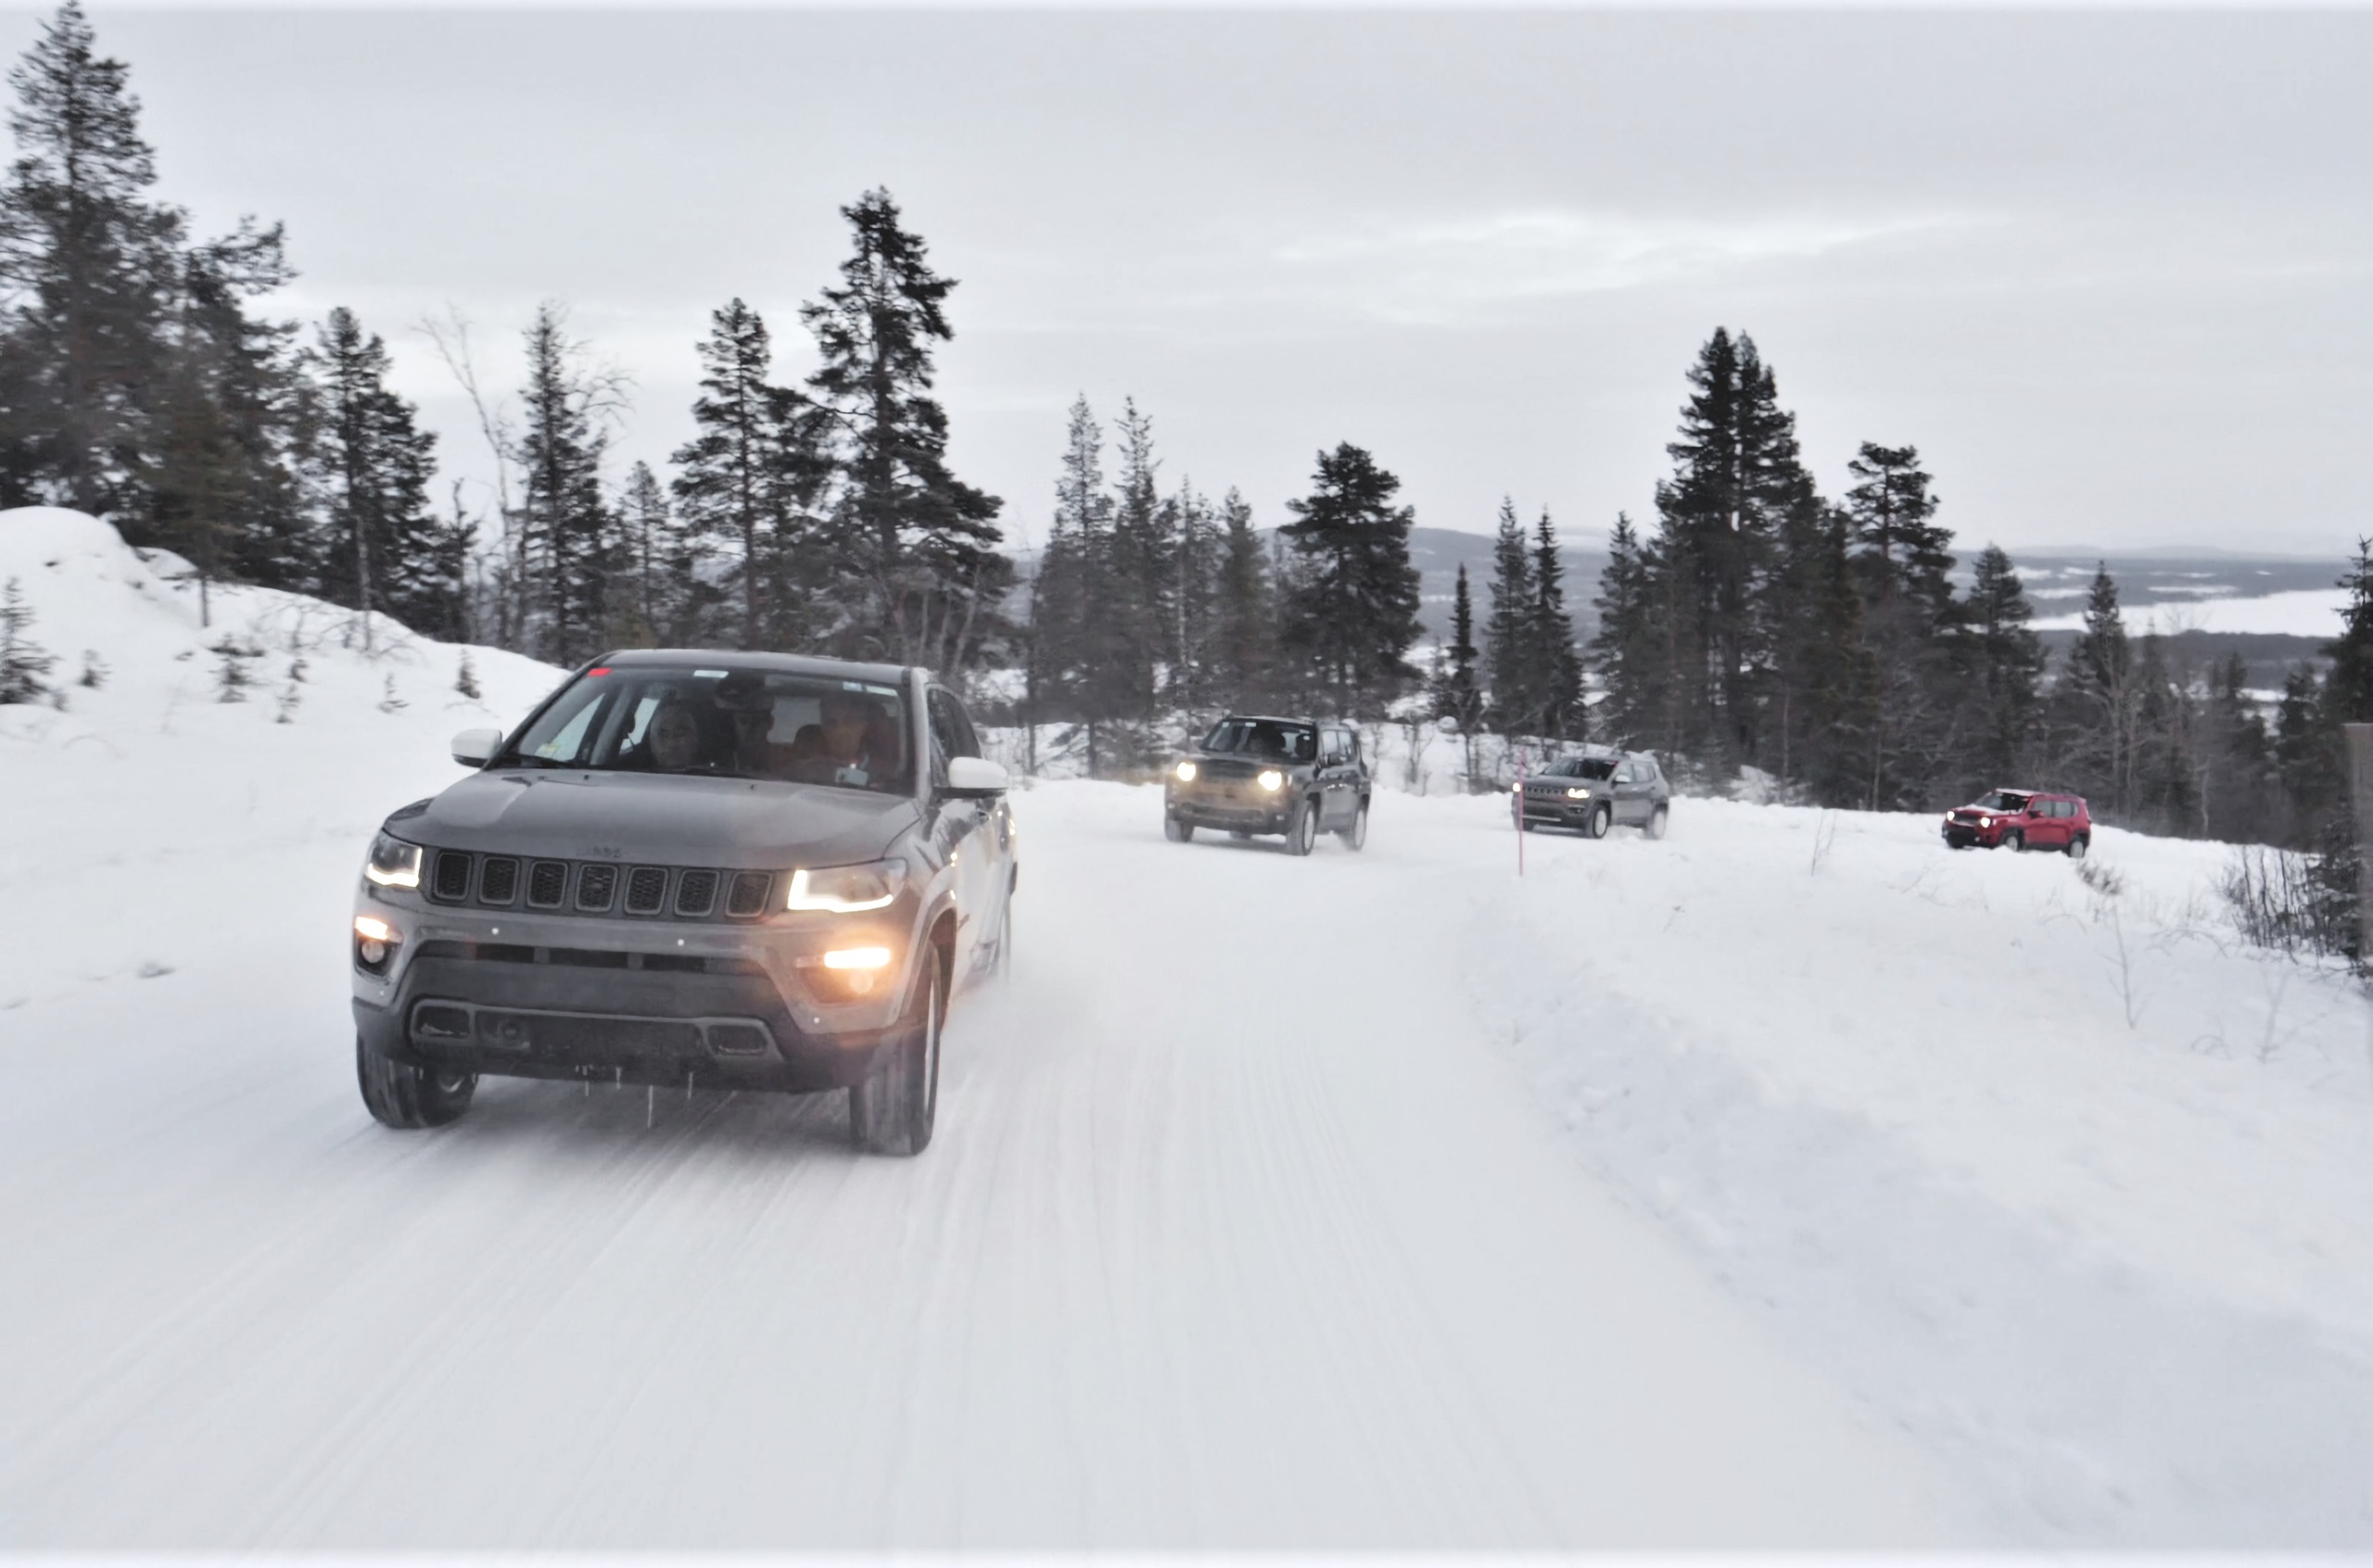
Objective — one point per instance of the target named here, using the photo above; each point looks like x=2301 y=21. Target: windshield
x=725 y=722
x=1263 y=737
x=1582 y=767
x=2003 y=801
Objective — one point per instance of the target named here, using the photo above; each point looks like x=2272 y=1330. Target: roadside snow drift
x=1792 y=1182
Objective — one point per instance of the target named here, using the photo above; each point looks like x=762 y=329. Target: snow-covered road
x=1237 y=1232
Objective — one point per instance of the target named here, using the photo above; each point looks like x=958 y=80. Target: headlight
x=1185 y=771
x=1578 y=794
x=393 y=863
x=847 y=889
x=1271 y=779
x=1985 y=822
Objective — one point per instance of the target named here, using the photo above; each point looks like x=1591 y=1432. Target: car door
x=956 y=828
x=1630 y=791
x=1334 y=764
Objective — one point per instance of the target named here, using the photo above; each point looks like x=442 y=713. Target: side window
x=1338 y=747
x=967 y=740
x=1628 y=774
x=949 y=733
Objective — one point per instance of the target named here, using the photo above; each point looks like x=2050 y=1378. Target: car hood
x=736 y=824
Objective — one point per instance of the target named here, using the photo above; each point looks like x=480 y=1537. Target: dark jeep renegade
x=721 y=870
x=1296 y=776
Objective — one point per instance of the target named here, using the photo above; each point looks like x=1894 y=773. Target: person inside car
x=672 y=740
x=849 y=747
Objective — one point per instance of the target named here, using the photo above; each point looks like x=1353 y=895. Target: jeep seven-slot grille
x=498 y=879
x=646 y=890
x=596 y=887
x=749 y=893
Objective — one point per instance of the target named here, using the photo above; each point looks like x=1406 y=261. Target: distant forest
x=1752 y=623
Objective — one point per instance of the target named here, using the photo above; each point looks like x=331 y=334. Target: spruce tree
x=2348 y=688
x=571 y=536
x=916 y=546
x=750 y=477
x=1902 y=561
x=1509 y=657
x=1624 y=650
x=24 y=664
x=2095 y=700
x=1352 y=614
x=1557 y=663
x=1077 y=665
x=1245 y=613
x=1459 y=694
x=1140 y=578
x=2004 y=662
x=88 y=264
x=1194 y=597
x=385 y=548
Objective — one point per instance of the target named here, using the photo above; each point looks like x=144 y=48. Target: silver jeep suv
x=691 y=869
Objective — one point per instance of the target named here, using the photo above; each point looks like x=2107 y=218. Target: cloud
x=1440 y=271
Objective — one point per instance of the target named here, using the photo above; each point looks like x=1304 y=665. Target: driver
x=673 y=738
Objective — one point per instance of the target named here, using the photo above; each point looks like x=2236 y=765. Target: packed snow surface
x=1792 y=1182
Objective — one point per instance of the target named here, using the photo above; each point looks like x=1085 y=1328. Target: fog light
x=373 y=940
x=847 y=974
x=857 y=958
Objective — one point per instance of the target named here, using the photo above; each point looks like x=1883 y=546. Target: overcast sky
x=2107 y=272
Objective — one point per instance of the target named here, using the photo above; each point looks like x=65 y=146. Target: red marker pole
x=1519 y=802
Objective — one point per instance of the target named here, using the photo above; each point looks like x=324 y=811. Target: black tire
x=1001 y=965
x=2078 y=846
x=1602 y=816
x=1240 y=835
x=1657 y=821
x=407 y=1097
x=1302 y=829
x=1177 y=832
x=1355 y=837
x=2015 y=842
x=892 y=1113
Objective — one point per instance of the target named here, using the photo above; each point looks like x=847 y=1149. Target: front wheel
x=2078 y=846
x=1657 y=820
x=407 y=1098
x=1177 y=832
x=1302 y=829
x=2014 y=841
x=1356 y=835
x=892 y=1112
x=1599 y=820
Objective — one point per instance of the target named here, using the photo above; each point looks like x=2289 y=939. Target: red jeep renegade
x=2023 y=819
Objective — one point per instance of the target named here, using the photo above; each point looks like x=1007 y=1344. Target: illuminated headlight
x=374 y=940
x=857 y=958
x=847 y=889
x=1578 y=794
x=1985 y=822
x=1271 y=779
x=1185 y=771
x=393 y=863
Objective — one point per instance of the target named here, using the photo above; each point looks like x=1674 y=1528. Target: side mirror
x=476 y=748
x=975 y=779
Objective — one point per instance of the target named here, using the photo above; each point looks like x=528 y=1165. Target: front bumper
x=557 y=997
x=1558 y=812
x=1249 y=809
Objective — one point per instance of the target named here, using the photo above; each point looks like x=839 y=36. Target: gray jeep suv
x=1298 y=776
x=1595 y=788
x=721 y=870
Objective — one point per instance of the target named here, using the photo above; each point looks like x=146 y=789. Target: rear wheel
x=401 y=1095
x=1601 y=815
x=1356 y=835
x=2014 y=841
x=1177 y=832
x=892 y=1112
x=1302 y=829
x=1656 y=822
x=2078 y=846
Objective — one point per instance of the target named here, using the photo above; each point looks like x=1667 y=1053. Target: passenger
x=849 y=747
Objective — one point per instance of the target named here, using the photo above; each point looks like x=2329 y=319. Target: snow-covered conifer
x=24 y=666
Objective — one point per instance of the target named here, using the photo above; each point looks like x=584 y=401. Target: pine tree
x=1902 y=561
x=2095 y=700
x=24 y=664
x=1509 y=662
x=375 y=465
x=1352 y=613
x=916 y=546
x=1141 y=548
x=1624 y=650
x=673 y=594
x=2003 y=664
x=1194 y=598
x=1244 y=614
x=569 y=533
x=1557 y=663
x=1077 y=665
x=1824 y=683
x=750 y=478
x=2348 y=688
x=1458 y=695
x=89 y=264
